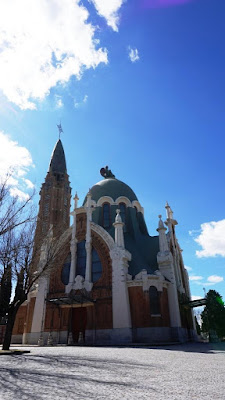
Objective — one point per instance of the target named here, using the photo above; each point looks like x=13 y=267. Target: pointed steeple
x=55 y=195
x=58 y=160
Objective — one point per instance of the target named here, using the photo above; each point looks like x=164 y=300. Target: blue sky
x=137 y=85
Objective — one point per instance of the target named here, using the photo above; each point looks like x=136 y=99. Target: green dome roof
x=111 y=187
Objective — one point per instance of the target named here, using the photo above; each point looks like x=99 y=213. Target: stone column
x=88 y=246
x=39 y=311
x=166 y=267
x=40 y=304
x=120 y=298
x=73 y=248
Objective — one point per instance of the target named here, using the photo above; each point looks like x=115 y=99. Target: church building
x=113 y=283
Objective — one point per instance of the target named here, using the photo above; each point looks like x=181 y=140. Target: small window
x=64 y=216
x=96 y=266
x=46 y=209
x=106 y=215
x=154 y=301
x=44 y=227
x=81 y=259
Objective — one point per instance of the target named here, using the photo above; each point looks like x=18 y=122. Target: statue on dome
x=106 y=172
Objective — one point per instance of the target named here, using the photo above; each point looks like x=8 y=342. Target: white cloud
x=109 y=10
x=13 y=157
x=133 y=55
x=78 y=104
x=193 y=232
x=195 y=278
x=188 y=268
x=15 y=160
x=15 y=192
x=29 y=184
x=211 y=280
x=45 y=42
x=211 y=239
x=215 y=279
x=59 y=102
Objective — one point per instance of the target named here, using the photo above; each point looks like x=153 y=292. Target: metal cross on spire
x=60 y=129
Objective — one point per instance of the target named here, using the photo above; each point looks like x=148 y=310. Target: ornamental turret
x=163 y=243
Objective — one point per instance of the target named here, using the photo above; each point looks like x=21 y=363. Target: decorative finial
x=118 y=217
x=169 y=211
x=106 y=172
x=60 y=129
x=76 y=198
x=89 y=199
x=161 y=224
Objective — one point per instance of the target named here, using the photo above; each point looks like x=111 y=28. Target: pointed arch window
x=106 y=217
x=154 y=301
x=96 y=266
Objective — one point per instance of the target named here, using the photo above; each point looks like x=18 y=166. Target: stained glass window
x=96 y=266
x=66 y=270
x=81 y=264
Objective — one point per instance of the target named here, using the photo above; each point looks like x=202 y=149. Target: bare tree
x=5 y=276
x=13 y=211
x=24 y=257
x=26 y=270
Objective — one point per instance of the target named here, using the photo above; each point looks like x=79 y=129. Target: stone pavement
x=191 y=371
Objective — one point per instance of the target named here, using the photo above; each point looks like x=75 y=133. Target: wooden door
x=79 y=321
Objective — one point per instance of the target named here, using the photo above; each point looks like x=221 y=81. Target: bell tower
x=55 y=194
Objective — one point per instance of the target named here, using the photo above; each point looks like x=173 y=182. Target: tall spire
x=58 y=160
x=54 y=205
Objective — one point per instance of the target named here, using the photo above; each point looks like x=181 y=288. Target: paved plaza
x=193 y=371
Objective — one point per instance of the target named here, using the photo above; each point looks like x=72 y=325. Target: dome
x=111 y=187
